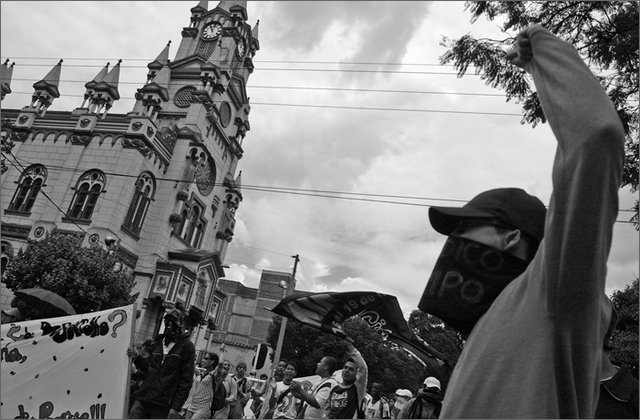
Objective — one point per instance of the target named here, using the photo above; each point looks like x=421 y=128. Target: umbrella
x=53 y=301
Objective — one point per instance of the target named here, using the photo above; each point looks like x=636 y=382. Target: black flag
x=326 y=311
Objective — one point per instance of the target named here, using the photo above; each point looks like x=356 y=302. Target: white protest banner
x=67 y=367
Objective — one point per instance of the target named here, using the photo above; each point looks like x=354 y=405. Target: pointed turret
x=161 y=60
x=228 y=4
x=92 y=84
x=6 y=72
x=46 y=90
x=197 y=11
x=235 y=7
x=154 y=93
x=103 y=90
x=255 y=43
x=113 y=77
x=99 y=77
x=234 y=195
x=239 y=183
x=202 y=6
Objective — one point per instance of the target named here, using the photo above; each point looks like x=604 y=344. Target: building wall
x=245 y=323
x=48 y=143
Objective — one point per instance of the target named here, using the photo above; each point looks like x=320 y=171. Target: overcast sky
x=379 y=143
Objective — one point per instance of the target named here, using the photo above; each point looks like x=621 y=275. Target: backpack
x=219 y=397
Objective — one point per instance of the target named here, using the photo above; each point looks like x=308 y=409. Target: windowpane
x=143 y=194
x=29 y=185
x=88 y=191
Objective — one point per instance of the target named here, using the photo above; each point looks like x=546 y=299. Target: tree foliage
x=387 y=363
x=439 y=335
x=83 y=276
x=625 y=337
x=604 y=33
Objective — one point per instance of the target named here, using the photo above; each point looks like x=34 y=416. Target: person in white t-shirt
x=377 y=407
x=314 y=400
x=286 y=403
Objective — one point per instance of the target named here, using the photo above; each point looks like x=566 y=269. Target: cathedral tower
x=159 y=181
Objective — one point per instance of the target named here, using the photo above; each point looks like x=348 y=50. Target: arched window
x=144 y=193
x=29 y=184
x=88 y=189
x=184 y=217
x=192 y=226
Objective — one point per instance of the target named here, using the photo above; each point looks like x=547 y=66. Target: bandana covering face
x=467 y=278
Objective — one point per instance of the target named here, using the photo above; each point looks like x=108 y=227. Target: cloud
x=343 y=244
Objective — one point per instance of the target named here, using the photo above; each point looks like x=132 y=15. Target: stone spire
x=202 y=6
x=239 y=182
x=254 y=36
x=113 y=77
x=235 y=7
x=92 y=84
x=103 y=90
x=46 y=90
x=161 y=60
x=154 y=94
x=6 y=72
x=99 y=77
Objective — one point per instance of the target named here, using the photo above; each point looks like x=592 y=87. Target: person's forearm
x=308 y=398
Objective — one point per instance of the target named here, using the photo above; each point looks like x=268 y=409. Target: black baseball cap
x=512 y=206
x=175 y=315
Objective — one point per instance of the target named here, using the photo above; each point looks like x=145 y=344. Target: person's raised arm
x=586 y=172
x=362 y=374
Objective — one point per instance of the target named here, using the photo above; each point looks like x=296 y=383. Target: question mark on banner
x=123 y=319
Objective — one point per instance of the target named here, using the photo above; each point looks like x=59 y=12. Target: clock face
x=241 y=49
x=205 y=178
x=211 y=31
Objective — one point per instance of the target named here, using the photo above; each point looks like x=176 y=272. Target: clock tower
x=159 y=182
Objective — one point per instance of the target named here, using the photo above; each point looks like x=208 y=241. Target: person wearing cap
x=402 y=397
x=618 y=388
x=426 y=404
x=527 y=288
x=170 y=372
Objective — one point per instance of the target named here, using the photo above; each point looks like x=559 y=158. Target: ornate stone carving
x=129 y=143
x=175 y=218
x=79 y=140
x=168 y=137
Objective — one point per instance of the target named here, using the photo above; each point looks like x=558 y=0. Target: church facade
x=158 y=185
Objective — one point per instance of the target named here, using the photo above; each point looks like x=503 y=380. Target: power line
x=340 y=89
x=298 y=191
x=377 y=90
x=255 y=61
x=360 y=108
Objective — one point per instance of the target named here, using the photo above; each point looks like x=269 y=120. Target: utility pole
x=283 y=325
